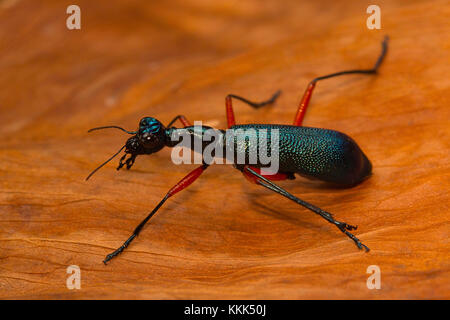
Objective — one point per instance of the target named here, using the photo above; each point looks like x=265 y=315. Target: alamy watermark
x=374 y=280
x=74 y=20
x=73 y=281
x=374 y=20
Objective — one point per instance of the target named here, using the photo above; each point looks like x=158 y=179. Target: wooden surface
x=223 y=237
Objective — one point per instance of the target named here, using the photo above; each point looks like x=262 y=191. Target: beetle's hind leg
x=342 y=226
x=301 y=110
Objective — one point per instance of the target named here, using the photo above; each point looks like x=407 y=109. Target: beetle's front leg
x=129 y=162
x=182 y=184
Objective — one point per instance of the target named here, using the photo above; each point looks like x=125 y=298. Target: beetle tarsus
x=344 y=227
x=121 y=163
x=120 y=249
x=113 y=254
x=347 y=226
x=129 y=162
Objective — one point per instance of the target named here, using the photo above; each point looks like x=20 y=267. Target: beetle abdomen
x=324 y=154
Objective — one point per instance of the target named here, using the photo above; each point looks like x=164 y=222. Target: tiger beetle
x=323 y=154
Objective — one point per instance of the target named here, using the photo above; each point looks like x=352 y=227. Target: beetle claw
x=121 y=163
x=345 y=226
x=129 y=162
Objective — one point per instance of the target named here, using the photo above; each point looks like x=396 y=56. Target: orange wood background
x=223 y=237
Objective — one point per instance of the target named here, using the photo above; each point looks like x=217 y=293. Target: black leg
x=384 y=47
x=229 y=105
x=256 y=104
x=301 y=110
x=342 y=226
x=135 y=233
x=129 y=162
x=182 y=184
x=182 y=119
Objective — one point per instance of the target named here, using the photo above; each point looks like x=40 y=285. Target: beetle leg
x=342 y=226
x=301 y=110
x=130 y=161
x=121 y=163
x=229 y=105
x=182 y=184
x=272 y=177
x=182 y=119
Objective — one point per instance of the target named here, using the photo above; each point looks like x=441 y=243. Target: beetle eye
x=143 y=122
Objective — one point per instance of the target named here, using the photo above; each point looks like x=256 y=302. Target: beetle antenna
x=115 y=127
x=96 y=169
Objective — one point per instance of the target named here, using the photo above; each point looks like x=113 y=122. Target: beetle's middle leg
x=229 y=105
x=183 y=120
x=303 y=105
x=342 y=226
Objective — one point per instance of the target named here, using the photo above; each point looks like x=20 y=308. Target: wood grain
x=223 y=237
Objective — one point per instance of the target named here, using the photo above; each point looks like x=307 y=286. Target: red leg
x=185 y=121
x=182 y=184
x=230 y=113
x=298 y=120
x=272 y=177
x=182 y=119
x=187 y=180
x=304 y=104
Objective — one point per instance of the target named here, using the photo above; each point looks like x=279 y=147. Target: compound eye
x=143 y=122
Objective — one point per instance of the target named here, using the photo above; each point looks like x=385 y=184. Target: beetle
x=323 y=154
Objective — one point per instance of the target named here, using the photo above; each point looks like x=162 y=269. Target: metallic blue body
x=317 y=153
x=324 y=154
